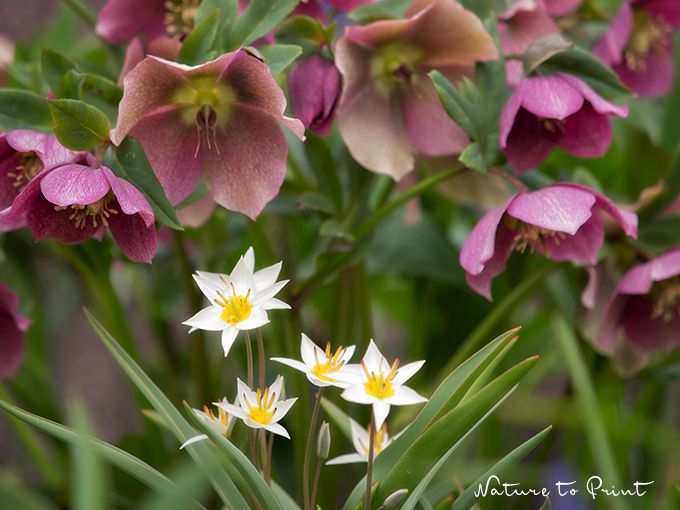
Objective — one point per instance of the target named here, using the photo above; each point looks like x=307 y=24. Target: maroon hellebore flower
x=644 y=309
x=522 y=23
x=217 y=120
x=638 y=46
x=314 y=87
x=11 y=340
x=23 y=155
x=559 y=221
x=389 y=110
x=558 y=109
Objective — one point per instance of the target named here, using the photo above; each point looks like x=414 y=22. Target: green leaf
x=78 y=125
x=547 y=505
x=660 y=234
x=325 y=169
x=463 y=106
x=202 y=455
x=389 y=9
x=21 y=109
x=591 y=70
x=260 y=18
x=673 y=500
x=280 y=56
x=198 y=46
x=71 y=85
x=102 y=89
x=472 y=157
x=15 y=495
x=252 y=477
x=332 y=228
x=317 y=202
x=542 y=49
x=297 y=29
x=228 y=14
x=133 y=166
x=338 y=417
x=501 y=468
x=671 y=188
x=54 y=66
x=189 y=483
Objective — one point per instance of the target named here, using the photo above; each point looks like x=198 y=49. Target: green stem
x=260 y=355
x=596 y=432
x=369 y=469
x=316 y=482
x=249 y=361
x=308 y=450
x=252 y=433
x=88 y=16
x=268 y=471
x=263 y=453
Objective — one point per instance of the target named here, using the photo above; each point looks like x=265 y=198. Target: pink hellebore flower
x=216 y=120
x=389 y=110
x=559 y=109
x=314 y=87
x=12 y=326
x=645 y=307
x=638 y=45
x=561 y=7
x=559 y=221
x=522 y=23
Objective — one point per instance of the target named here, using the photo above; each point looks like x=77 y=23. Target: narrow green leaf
x=547 y=505
x=673 y=499
x=458 y=107
x=252 y=477
x=180 y=428
x=189 y=482
x=260 y=18
x=472 y=157
x=21 y=109
x=338 y=417
x=504 y=466
x=280 y=56
x=16 y=496
x=287 y=503
x=78 y=125
x=54 y=66
x=133 y=166
x=198 y=47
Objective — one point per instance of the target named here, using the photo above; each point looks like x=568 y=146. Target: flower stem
x=316 y=481
x=369 y=469
x=252 y=433
x=263 y=453
x=308 y=450
x=249 y=360
x=268 y=471
x=260 y=355
x=510 y=177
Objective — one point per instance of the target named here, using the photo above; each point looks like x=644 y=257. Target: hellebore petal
x=522 y=23
x=561 y=7
x=12 y=326
x=122 y=19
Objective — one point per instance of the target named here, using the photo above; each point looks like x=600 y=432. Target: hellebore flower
x=638 y=46
x=379 y=384
x=319 y=366
x=261 y=410
x=559 y=109
x=560 y=221
x=644 y=308
x=238 y=301
x=217 y=120
x=23 y=155
x=389 y=110
x=522 y=23
x=222 y=424
x=12 y=326
x=314 y=87
x=561 y=7
x=361 y=442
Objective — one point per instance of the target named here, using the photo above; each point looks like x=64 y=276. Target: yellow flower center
x=29 y=166
x=236 y=309
x=531 y=235
x=649 y=35
x=552 y=125
x=378 y=441
x=262 y=414
x=333 y=363
x=393 y=64
x=666 y=297
x=222 y=417
x=179 y=17
x=99 y=209
x=380 y=386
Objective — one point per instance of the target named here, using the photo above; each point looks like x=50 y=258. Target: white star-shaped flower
x=223 y=423
x=318 y=365
x=238 y=301
x=361 y=441
x=261 y=409
x=379 y=384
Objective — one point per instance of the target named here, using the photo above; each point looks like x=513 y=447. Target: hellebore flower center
x=179 y=17
x=393 y=64
x=527 y=234
x=333 y=363
x=649 y=35
x=29 y=166
x=236 y=309
x=380 y=386
x=666 y=297
x=262 y=414
x=100 y=209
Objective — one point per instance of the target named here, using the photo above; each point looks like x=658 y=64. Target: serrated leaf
x=303 y=31
x=133 y=166
x=472 y=157
x=198 y=46
x=280 y=56
x=54 y=66
x=259 y=18
x=78 y=125
x=21 y=109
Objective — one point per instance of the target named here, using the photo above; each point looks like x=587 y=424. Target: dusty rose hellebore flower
x=644 y=309
x=389 y=110
x=217 y=120
x=522 y=23
x=560 y=221
x=555 y=110
x=12 y=326
x=638 y=45
x=314 y=86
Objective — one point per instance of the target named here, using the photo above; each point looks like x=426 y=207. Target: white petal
x=268 y=292
x=360 y=438
x=323 y=384
x=404 y=396
x=252 y=424
x=246 y=396
x=275 y=304
x=282 y=408
x=277 y=429
x=307 y=349
x=192 y=440
x=228 y=338
x=348 y=458
x=358 y=395
x=277 y=387
x=207 y=319
x=242 y=279
x=209 y=287
x=267 y=277
x=293 y=363
x=380 y=409
x=258 y=318
x=249 y=259
x=347 y=355
x=406 y=372
x=374 y=360
x=231 y=409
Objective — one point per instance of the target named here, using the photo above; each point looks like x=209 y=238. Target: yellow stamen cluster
x=236 y=309
x=222 y=417
x=380 y=386
x=29 y=166
x=262 y=414
x=666 y=296
x=379 y=439
x=99 y=209
x=333 y=363
x=649 y=35
x=179 y=18
x=552 y=125
x=531 y=235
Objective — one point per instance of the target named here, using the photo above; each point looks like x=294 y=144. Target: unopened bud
x=323 y=444
x=394 y=499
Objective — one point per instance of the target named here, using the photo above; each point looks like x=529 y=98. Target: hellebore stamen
x=205 y=119
x=666 y=297
x=649 y=35
x=29 y=166
x=179 y=18
x=531 y=235
x=81 y=212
